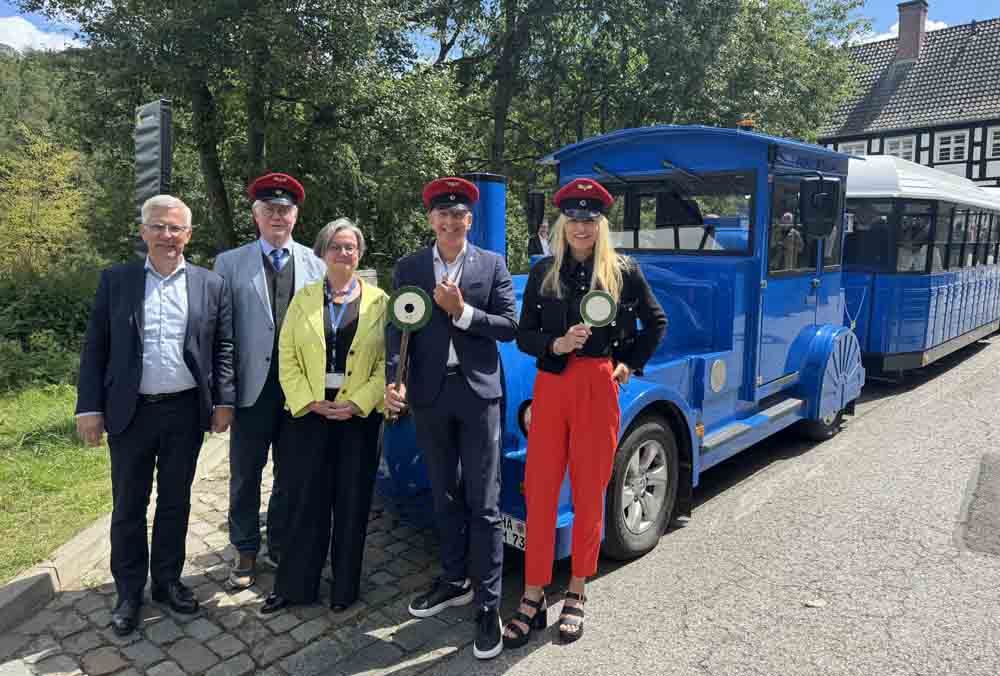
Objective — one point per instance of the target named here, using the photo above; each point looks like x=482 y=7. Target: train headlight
x=524 y=416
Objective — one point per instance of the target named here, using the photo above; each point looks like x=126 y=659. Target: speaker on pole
x=535 y=210
x=154 y=142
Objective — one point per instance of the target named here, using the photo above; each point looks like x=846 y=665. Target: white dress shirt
x=453 y=271
x=164 y=328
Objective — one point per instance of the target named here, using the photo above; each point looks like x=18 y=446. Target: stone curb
x=32 y=589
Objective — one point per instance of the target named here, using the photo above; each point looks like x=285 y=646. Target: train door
x=791 y=288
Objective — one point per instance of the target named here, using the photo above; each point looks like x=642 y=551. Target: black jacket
x=545 y=318
x=111 y=361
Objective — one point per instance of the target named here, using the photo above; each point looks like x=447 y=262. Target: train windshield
x=685 y=212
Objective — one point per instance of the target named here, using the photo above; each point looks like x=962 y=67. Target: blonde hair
x=608 y=264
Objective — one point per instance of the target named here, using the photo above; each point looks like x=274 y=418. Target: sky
x=31 y=31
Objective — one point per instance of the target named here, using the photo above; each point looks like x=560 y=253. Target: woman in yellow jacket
x=332 y=370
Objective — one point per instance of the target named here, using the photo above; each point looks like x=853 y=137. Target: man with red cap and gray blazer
x=262 y=277
x=454 y=389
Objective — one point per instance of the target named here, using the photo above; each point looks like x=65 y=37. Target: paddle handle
x=404 y=349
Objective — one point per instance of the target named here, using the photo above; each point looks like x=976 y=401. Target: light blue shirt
x=267 y=248
x=164 y=327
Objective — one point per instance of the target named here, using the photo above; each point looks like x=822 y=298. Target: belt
x=167 y=396
x=455 y=370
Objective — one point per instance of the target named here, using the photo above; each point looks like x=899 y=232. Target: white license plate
x=513 y=531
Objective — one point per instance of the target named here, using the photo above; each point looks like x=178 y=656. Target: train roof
x=667 y=130
x=887 y=176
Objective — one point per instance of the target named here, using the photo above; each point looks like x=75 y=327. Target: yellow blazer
x=302 y=351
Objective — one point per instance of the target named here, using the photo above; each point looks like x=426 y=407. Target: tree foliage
x=364 y=101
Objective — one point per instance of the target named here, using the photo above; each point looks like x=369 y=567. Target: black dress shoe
x=125 y=617
x=179 y=597
x=274 y=603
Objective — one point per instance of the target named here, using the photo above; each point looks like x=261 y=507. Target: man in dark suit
x=538 y=244
x=156 y=372
x=453 y=389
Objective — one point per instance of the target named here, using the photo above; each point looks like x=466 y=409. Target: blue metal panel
x=858 y=292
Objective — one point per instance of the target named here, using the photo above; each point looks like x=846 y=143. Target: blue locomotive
x=740 y=236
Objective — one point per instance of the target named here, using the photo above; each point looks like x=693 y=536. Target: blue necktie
x=278 y=258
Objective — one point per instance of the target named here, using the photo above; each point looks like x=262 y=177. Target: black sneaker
x=441 y=595
x=489 y=635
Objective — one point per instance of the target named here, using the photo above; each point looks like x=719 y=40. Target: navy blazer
x=486 y=286
x=111 y=361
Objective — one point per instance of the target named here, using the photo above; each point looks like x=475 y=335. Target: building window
x=951 y=147
x=993 y=143
x=857 y=148
x=901 y=147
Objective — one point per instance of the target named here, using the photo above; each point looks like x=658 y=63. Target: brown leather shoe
x=243 y=574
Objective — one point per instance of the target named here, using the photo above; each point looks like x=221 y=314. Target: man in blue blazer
x=263 y=276
x=454 y=388
x=156 y=372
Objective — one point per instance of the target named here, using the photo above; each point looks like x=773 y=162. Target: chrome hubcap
x=644 y=486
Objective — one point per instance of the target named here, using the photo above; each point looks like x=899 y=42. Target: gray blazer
x=253 y=324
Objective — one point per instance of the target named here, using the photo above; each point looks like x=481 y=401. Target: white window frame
x=993 y=143
x=856 y=148
x=905 y=147
x=950 y=143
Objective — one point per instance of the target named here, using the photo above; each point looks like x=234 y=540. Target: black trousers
x=460 y=439
x=329 y=469
x=256 y=429
x=167 y=436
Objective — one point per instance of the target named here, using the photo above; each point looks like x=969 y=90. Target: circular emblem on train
x=717 y=376
x=598 y=308
x=410 y=308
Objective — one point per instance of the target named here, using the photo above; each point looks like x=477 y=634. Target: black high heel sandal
x=572 y=616
x=537 y=621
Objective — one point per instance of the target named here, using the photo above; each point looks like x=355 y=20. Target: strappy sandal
x=572 y=616
x=536 y=621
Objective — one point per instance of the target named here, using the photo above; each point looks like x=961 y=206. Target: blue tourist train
x=741 y=236
x=921 y=266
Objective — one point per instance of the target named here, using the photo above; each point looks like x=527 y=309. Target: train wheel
x=821 y=430
x=642 y=492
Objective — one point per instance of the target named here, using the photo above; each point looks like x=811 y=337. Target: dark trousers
x=256 y=429
x=460 y=439
x=167 y=436
x=330 y=468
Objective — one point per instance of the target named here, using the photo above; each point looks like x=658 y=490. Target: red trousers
x=574 y=420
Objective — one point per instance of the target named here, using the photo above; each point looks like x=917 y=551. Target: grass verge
x=51 y=486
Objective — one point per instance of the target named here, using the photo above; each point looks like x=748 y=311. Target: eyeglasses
x=172 y=228
x=283 y=210
x=348 y=249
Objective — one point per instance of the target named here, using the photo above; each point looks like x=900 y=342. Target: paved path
x=876 y=553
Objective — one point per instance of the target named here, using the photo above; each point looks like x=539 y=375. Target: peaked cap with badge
x=277 y=188
x=583 y=199
x=450 y=192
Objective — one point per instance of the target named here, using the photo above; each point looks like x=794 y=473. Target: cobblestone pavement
x=227 y=638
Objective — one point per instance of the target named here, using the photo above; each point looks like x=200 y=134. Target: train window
x=995 y=242
x=697 y=214
x=913 y=237
x=942 y=230
x=788 y=250
x=621 y=236
x=869 y=244
x=959 y=226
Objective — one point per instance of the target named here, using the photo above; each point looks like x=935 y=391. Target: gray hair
x=165 y=202
x=330 y=230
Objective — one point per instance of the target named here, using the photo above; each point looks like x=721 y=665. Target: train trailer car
x=739 y=235
x=921 y=268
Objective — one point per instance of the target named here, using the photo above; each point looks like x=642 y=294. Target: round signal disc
x=598 y=308
x=410 y=308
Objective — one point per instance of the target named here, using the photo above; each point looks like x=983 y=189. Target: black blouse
x=546 y=318
x=345 y=334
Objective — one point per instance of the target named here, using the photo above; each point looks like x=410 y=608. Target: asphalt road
x=854 y=556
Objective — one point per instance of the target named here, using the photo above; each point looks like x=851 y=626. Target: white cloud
x=894 y=32
x=21 y=34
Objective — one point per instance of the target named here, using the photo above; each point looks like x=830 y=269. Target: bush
x=43 y=318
